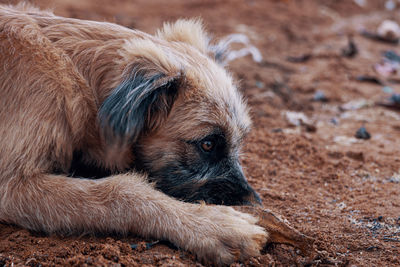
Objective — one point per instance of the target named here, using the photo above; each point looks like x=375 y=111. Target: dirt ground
x=338 y=189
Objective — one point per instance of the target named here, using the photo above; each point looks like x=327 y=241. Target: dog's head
x=182 y=114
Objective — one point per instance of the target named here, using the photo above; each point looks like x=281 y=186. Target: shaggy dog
x=156 y=120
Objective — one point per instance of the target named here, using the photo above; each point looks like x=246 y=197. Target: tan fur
x=56 y=72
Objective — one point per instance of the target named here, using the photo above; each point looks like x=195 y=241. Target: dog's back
x=51 y=65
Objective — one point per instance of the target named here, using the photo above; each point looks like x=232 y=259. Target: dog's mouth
x=219 y=191
x=221 y=184
x=227 y=192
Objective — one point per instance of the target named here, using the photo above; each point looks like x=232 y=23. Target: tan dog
x=97 y=100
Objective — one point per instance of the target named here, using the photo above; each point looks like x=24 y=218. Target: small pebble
x=395 y=99
x=356 y=104
x=391 y=55
x=350 y=50
x=260 y=84
x=277 y=130
x=387 y=89
x=390 y=5
x=389 y=30
x=334 y=121
x=372 y=248
x=361 y=3
x=362 y=134
x=296 y=118
x=395 y=178
x=320 y=96
x=369 y=79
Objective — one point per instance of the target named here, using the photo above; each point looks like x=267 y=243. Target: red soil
x=339 y=190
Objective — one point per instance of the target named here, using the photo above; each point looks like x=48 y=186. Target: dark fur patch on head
x=226 y=191
x=220 y=182
x=138 y=104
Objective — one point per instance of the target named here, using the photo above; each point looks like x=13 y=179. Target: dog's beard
x=220 y=191
x=218 y=185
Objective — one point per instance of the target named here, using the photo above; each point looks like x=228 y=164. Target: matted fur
x=59 y=93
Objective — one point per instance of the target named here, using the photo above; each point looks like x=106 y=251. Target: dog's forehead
x=222 y=102
x=218 y=103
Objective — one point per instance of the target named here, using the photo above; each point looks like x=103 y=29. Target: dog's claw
x=279 y=231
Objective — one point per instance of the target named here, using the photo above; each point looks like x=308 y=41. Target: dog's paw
x=226 y=235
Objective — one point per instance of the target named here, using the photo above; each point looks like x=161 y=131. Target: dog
x=112 y=130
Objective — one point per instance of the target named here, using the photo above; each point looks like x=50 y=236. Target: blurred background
x=325 y=147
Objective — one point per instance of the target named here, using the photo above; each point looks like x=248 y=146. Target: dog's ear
x=192 y=32
x=186 y=31
x=139 y=104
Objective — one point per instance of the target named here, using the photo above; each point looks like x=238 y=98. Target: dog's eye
x=207 y=145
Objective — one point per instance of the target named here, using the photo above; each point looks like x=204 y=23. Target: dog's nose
x=253 y=199
x=249 y=196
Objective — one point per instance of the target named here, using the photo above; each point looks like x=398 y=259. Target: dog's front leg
x=128 y=204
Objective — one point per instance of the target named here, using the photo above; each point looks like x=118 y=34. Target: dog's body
x=78 y=96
